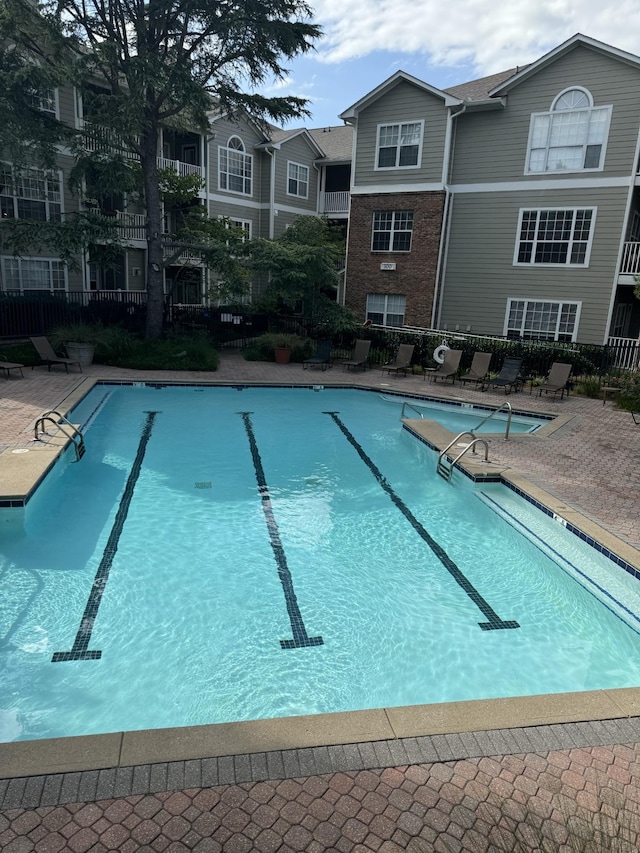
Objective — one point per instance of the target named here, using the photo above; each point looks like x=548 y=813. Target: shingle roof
x=478 y=90
x=335 y=141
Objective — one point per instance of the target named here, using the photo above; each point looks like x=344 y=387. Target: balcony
x=333 y=203
x=630 y=264
x=183 y=169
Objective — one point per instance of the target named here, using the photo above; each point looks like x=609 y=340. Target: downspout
x=272 y=191
x=436 y=308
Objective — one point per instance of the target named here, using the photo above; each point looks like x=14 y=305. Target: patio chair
x=479 y=368
x=509 y=377
x=322 y=358
x=636 y=418
x=8 y=366
x=402 y=360
x=448 y=368
x=557 y=379
x=360 y=357
x=48 y=355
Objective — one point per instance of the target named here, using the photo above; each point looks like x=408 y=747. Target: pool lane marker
x=494 y=622
x=80 y=648
x=300 y=637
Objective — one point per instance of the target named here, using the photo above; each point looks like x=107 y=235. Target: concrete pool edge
x=55 y=756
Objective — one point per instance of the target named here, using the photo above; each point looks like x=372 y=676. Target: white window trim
x=244 y=153
x=45 y=174
x=386 y=311
x=532 y=264
x=560 y=302
x=300 y=166
x=5 y=258
x=391 y=233
x=551 y=112
x=377 y=149
x=234 y=221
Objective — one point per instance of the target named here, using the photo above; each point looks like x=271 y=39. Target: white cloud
x=486 y=35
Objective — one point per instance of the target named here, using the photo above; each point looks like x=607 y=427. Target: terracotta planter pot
x=282 y=355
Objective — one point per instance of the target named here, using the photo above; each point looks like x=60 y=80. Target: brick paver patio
x=560 y=787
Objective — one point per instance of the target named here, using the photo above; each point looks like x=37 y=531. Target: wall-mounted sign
x=387 y=266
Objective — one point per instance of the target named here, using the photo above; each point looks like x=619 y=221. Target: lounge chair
x=48 y=355
x=8 y=366
x=557 y=379
x=479 y=368
x=322 y=358
x=509 y=377
x=402 y=360
x=360 y=357
x=448 y=368
x=636 y=418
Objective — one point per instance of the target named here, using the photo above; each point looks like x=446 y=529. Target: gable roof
x=578 y=40
x=278 y=136
x=478 y=90
x=336 y=142
x=390 y=83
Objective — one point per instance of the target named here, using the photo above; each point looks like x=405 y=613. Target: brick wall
x=415 y=273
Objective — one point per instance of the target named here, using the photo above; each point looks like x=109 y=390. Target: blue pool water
x=230 y=554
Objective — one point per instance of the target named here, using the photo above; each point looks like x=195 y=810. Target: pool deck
x=459 y=776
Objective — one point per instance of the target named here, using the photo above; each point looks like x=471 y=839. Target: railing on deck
x=630 y=264
x=627 y=352
x=337 y=202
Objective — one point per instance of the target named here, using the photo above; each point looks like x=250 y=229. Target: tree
x=302 y=266
x=145 y=65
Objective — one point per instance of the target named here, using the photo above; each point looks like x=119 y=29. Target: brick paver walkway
x=564 y=788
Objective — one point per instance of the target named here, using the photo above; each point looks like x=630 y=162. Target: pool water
x=225 y=554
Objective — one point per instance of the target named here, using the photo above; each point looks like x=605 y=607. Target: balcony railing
x=630 y=259
x=186 y=256
x=335 y=202
x=132 y=226
x=183 y=169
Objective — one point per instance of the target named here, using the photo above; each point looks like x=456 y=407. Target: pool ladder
x=65 y=427
x=446 y=462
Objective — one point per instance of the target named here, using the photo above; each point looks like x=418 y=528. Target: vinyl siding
x=492 y=146
x=66 y=105
x=404 y=103
x=481 y=276
x=224 y=130
x=297 y=151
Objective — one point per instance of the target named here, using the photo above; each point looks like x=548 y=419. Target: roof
x=388 y=84
x=336 y=142
x=478 y=90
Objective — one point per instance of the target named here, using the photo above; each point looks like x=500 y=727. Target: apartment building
x=508 y=206
x=260 y=181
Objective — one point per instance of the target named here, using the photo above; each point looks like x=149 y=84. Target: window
x=29 y=194
x=45 y=102
x=386 y=310
x=399 y=145
x=235 y=167
x=297 y=180
x=244 y=225
x=33 y=274
x=542 y=321
x=392 y=231
x=560 y=237
x=571 y=137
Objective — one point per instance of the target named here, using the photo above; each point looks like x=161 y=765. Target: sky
x=442 y=42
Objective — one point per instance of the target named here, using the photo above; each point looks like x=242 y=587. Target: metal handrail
x=455 y=441
x=472 y=446
x=413 y=408
x=506 y=405
x=61 y=423
x=445 y=471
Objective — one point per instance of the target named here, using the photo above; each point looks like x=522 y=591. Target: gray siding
x=492 y=146
x=224 y=129
x=404 y=103
x=296 y=150
x=66 y=105
x=481 y=276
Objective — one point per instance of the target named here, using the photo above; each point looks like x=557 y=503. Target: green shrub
x=263 y=348
x=172 y=353
x=588 y=387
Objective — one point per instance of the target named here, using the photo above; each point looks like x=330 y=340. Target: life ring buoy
x=440 y=352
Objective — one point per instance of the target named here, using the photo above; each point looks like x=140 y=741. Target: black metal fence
x=22 y=315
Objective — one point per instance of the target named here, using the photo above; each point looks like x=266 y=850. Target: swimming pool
x=242 y=553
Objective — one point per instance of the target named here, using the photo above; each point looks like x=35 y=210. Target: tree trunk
x=155 y=248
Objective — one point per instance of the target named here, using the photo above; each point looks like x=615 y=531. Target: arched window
x=235 y=167
x=571 y=137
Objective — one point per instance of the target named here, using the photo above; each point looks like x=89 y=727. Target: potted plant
x=282 y=353
x=78 y=339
